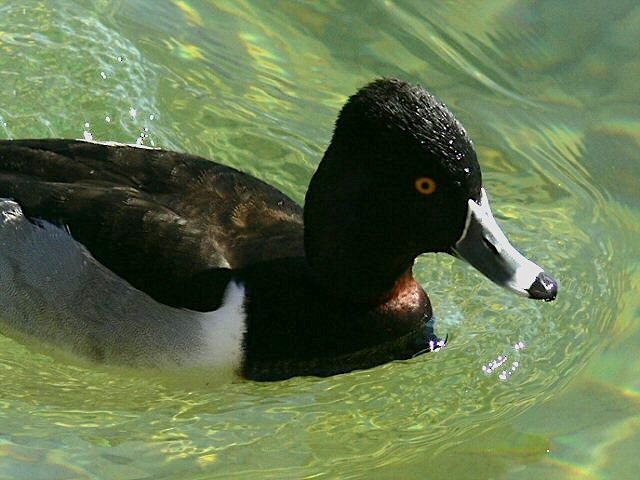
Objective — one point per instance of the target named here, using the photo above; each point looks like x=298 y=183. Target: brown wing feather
x=154 y=217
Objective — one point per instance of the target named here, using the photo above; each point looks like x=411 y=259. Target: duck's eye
x=425 y=185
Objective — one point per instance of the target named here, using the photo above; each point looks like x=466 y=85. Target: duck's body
x=57 y=296
x=155 y=217
x=195 y=263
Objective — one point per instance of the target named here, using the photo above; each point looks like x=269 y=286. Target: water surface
x=525 y=390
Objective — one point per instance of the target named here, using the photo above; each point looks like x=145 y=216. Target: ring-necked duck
x=144 y=257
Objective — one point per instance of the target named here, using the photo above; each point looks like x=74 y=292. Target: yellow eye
x=425 y=185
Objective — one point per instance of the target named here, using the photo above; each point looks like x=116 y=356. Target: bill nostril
x=489 y=244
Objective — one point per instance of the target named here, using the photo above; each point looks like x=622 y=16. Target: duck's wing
x=154 y=217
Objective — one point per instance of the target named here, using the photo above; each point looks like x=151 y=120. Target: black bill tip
x=544 y=288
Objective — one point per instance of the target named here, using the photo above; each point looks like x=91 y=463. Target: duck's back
x=156 y=218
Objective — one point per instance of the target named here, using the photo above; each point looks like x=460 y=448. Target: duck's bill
x=485 y=247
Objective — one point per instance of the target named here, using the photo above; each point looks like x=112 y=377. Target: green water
x=549 y=92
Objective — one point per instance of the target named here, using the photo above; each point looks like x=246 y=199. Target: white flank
x=56 y=296
x=223 y=330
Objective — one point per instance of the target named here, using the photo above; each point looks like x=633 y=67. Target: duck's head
x=401 y=178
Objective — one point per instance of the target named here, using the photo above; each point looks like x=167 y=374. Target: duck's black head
x=416 y=160
x=396 y=181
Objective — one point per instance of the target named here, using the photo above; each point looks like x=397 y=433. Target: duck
x=148 y=258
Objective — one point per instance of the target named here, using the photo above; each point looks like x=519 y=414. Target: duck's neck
x=351 y=254
x=369 y=278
